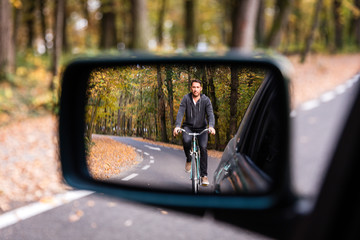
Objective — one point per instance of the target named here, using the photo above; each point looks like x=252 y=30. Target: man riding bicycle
x=196 y=106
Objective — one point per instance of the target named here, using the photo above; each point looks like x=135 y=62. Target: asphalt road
x=315 y=126
x=161 y=168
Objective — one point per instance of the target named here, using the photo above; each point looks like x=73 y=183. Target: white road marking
x=293 y=113
x=152 y=148
x=326 y=97
x=33 y=209
x=355 y=79
x=146 y=154
x=310 y=105
x=139 y=150
x=349 y=84
x=340 y=89
x=146 y=167
x=131 y=176
x=128 y=223
x=151 y=157
x=152 y=161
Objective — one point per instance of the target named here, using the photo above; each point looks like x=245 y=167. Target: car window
x=258 y=136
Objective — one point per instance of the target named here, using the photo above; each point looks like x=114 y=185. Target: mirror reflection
x=138 y=119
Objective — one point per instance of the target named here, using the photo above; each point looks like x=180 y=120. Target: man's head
x=195 y=87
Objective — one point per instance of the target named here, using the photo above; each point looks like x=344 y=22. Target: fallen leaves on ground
x=74 y=217
x=108 y=158
x=91 y=203
x=29 y=166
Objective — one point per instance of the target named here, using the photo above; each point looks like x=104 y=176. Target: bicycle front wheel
x=194 y=175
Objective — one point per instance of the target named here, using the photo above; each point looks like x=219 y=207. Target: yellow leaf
x=76 y=216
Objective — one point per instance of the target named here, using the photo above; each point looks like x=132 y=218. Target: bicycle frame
x=195 y=152
x=195 y=162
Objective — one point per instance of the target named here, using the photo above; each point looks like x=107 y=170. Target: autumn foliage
x=108 y=158
x=142 y=101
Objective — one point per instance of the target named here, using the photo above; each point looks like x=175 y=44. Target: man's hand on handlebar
x=176 y=131
x=212 y=130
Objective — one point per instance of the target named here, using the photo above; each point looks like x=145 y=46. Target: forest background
x=39 y=37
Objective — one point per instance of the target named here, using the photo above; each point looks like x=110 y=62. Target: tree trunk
x=140 y=118
x=169 y=85
x=338 y=24
x=92 y=119
x=234 y=85
x=29 y=19
x=85 y=10
x=7 y=47
x=108 y=28
x=161 y=106
x=118 y=125
x=125 y=30
x=105 y=119
x=226 y=21
x=155 y=114
x=314 y=25
x=297 y=27
x=43 y=22
x=244 y=24
x=279 y=23
x=160 y=24
x=65 y=42
x=324 y=27
x=260 y=24
x=129 y=126
x=204 y=80
x=15 y=27
x=123 y=115
x=113 y=125
x=357 y=24
x=190 y=23
x=139 y=36
x=212 y=96
x=130 y=119
x=58 y=31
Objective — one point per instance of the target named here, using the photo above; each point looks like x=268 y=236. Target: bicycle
x=195 y=159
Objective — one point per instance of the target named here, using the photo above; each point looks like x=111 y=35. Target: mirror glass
x=132 y=111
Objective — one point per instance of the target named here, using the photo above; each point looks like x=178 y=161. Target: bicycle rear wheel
x=194 y=175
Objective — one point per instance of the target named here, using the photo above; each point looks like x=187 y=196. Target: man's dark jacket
x=195 y=115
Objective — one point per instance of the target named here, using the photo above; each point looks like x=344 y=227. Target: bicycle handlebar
x=194 y=134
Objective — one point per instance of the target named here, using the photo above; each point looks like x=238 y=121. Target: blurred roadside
x=29 y=167
x=319 y=74
x=27 y=92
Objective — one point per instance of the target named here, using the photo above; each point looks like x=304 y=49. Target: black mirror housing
x=73 y=147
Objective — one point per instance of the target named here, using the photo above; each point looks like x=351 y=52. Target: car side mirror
x=117 y=117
